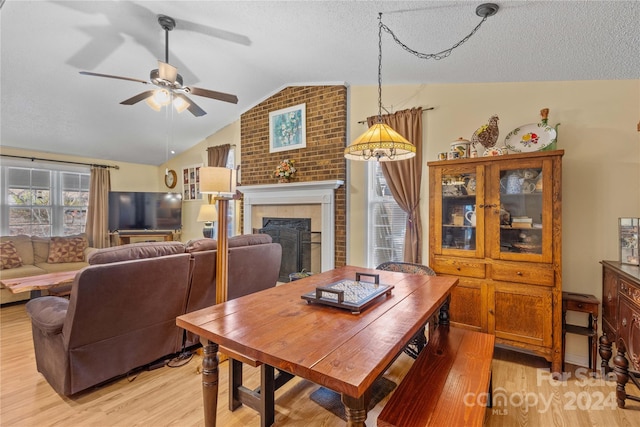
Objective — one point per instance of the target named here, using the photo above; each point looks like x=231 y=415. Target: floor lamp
x=221 y=183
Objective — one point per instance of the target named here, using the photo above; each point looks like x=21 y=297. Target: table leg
x=443 y=318
x=621 y=370
x=356 y=410
x=594 y=346
x=605 y=354
x=210 y=383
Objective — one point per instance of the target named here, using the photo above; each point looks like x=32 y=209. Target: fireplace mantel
x=298 y=193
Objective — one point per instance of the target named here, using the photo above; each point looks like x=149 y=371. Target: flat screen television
x=134 y=211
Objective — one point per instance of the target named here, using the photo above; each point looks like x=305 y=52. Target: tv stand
x=126 y=237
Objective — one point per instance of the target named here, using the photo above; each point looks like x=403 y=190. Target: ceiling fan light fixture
x=151 y=102
x=168 y=83
x=162 y=97
x=180 y=104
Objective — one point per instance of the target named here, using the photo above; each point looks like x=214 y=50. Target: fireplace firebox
x=294 y=235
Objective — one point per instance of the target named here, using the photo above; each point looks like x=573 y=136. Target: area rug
x=330 y=400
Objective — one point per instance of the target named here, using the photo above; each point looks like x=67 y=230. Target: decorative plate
x=531 y=137
x=493 y=151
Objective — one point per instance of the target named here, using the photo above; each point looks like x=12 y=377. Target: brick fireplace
x=311 y=199
x=322 y=159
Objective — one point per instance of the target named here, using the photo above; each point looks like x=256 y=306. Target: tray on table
x=354 y=295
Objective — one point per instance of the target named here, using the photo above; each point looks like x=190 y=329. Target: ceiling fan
x=169 y=84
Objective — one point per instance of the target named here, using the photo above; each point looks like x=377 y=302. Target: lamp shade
x=380 y=143
x=208 y=213
x=216 y=180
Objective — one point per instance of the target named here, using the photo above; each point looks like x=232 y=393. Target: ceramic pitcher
x=471 y=217
x=512 y=183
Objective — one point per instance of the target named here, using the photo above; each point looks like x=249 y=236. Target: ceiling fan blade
x=215 y=32
x=88 y=73
x=139 y=97
x=220 y=96
x=193 y=107
x=167 y=72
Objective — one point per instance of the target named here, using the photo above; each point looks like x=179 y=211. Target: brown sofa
x=122 y=309
x=34 y=255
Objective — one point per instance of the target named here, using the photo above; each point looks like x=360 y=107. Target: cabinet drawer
x=535 y=274
x=580 y=306
x=630 y=290
x=629 y=331
x=457 y=267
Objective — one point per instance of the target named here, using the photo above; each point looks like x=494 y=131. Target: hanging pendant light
x=380 y=143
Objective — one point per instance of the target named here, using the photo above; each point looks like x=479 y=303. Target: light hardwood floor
x=172 y=396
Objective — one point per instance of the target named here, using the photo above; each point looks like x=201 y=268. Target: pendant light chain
x=437 y=56
x=380 y=25
x=381 y=142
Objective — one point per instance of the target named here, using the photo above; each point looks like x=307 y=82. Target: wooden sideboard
x=621 y=325
x=143 y=236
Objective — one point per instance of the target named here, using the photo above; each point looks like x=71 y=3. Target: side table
x=584 y=304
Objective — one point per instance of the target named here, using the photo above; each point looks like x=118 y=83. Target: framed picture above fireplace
x=288 y=128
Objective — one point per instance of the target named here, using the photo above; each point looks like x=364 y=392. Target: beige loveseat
x=122 y=310
x=35 y=258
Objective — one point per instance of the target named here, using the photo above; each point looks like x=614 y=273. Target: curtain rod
x=61 y=161
x=423 y=110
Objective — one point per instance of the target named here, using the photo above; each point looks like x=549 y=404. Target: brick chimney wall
x=322 y=158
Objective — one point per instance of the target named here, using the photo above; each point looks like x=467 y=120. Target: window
x=43 y=202
x=387 y=221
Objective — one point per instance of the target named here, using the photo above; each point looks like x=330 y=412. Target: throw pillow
x=66 y=249
x=9 y=256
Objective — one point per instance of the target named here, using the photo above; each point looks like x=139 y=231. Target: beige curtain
x=217 y=156
x=97 y=227
x=403 y=177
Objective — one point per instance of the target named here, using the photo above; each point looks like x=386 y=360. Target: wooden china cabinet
x=495 y=223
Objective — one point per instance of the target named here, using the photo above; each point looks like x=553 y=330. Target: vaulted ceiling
x=254 y=48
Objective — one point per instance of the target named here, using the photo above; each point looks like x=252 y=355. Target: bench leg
x=235 y=382
x=262 y=399
x=490 y=392
x=267 y=396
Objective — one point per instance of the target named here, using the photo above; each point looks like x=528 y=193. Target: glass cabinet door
x=461 y=191
x=523 y=211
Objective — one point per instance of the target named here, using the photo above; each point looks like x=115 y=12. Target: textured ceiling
x=253 y=49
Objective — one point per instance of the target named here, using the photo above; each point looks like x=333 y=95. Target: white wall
x=198 y=155
x=129 y=176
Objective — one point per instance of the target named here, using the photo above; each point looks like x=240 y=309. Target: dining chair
x=419 y=341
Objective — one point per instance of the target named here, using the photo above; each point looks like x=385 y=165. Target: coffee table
x=36 y=284
x=329 y=346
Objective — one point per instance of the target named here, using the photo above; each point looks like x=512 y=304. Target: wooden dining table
x=328 y=345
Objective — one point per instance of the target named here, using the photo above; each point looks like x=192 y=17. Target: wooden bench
x=448 y=384
x=260 y=399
